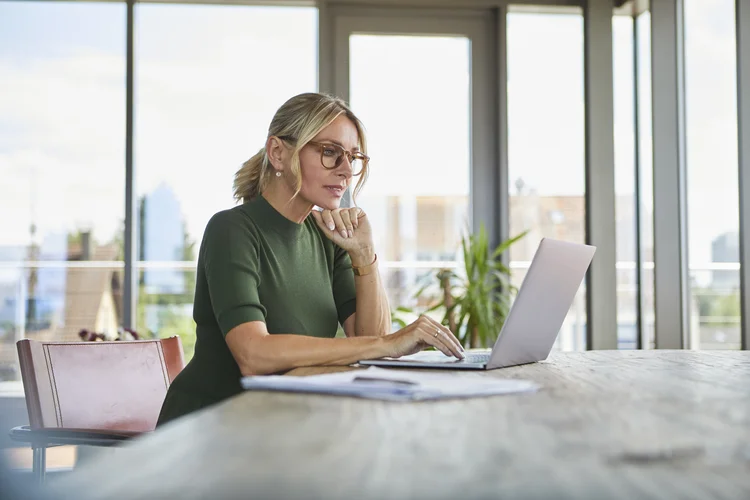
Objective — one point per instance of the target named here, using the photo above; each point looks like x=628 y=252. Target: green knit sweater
x=256 y=265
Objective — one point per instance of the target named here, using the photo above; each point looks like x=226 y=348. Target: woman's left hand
x=349 y=228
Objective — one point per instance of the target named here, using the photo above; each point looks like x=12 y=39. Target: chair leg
x=39 y=465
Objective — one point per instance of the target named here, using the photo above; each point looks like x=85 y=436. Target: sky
x=209 y=78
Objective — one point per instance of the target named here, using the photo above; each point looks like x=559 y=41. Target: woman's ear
x=276 y=151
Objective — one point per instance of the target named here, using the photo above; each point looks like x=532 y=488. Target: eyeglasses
x=332 y=155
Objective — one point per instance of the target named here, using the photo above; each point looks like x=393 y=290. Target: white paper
x=394 y=385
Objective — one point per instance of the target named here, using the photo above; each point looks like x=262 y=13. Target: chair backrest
x=115 y=386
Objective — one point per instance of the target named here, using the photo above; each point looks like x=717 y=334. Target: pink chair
x=93 y=393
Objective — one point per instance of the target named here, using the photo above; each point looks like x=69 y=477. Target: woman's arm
x=259 y=353
x=373 y=316
x=350 y=229
x=230 y=259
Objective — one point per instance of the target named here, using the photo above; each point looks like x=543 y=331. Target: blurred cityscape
x=53 y=289
x=61 y=258
x=76 y=281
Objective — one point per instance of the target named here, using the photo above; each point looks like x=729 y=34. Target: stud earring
x=278 y=174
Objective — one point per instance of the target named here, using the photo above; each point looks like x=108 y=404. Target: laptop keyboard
x=477 y=358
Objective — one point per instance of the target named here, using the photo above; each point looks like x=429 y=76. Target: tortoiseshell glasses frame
x=331 y=155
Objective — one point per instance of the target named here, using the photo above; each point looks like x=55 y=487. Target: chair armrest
x=42 y=438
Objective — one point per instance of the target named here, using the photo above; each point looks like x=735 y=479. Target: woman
x=276 y=278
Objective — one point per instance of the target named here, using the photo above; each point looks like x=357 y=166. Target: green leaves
x=480 y=293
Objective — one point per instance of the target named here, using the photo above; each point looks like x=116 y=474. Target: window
x=546 y=143
x=417 y=197
x=625 y=199
x=712 y=181
x=645 y=176
x=62 y=123
x=206 y=91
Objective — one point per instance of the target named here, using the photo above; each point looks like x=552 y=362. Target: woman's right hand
x=424 y=332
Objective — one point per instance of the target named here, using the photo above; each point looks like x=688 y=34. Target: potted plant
x=476 y=297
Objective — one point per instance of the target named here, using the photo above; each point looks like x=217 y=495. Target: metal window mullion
x=503 y=193
x=601 y=290
x=742 y=19
x=130 y=285
x=484 y=106
x=325 y=48
x=637 y=191
x=670 y=230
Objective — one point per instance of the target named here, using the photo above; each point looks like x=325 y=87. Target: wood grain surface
x=605 y=425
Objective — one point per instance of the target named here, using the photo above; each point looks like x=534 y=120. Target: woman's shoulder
x=232 y=216
x=231 y=220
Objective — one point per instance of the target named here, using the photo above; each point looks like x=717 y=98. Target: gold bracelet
x=365 y=270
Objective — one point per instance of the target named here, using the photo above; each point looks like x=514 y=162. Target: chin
x=329 y=204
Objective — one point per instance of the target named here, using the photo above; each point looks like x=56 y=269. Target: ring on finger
x=437 y=332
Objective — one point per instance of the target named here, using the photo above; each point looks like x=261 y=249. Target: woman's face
x=321 y=186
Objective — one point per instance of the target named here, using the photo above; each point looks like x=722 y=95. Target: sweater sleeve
x=344 y=292
x=231 y=256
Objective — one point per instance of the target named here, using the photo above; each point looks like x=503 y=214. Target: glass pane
x=713 y=206
x=646 y=182
x=546 y=144
x=625 y=202
x=62 y=123
x=417 y=194
x=166 y=312
x=204 y=100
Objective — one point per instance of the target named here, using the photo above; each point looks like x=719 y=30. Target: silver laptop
x=534 y=319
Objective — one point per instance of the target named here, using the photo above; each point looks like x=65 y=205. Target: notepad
x=393 y=385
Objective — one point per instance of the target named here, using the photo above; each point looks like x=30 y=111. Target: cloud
x=197 y=117
x=208 y=80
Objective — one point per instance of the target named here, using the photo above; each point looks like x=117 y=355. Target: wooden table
x=606 y=424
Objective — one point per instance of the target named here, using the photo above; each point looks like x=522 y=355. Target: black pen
x=388 y=380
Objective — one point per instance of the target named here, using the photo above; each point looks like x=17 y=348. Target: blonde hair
x=302 y=118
